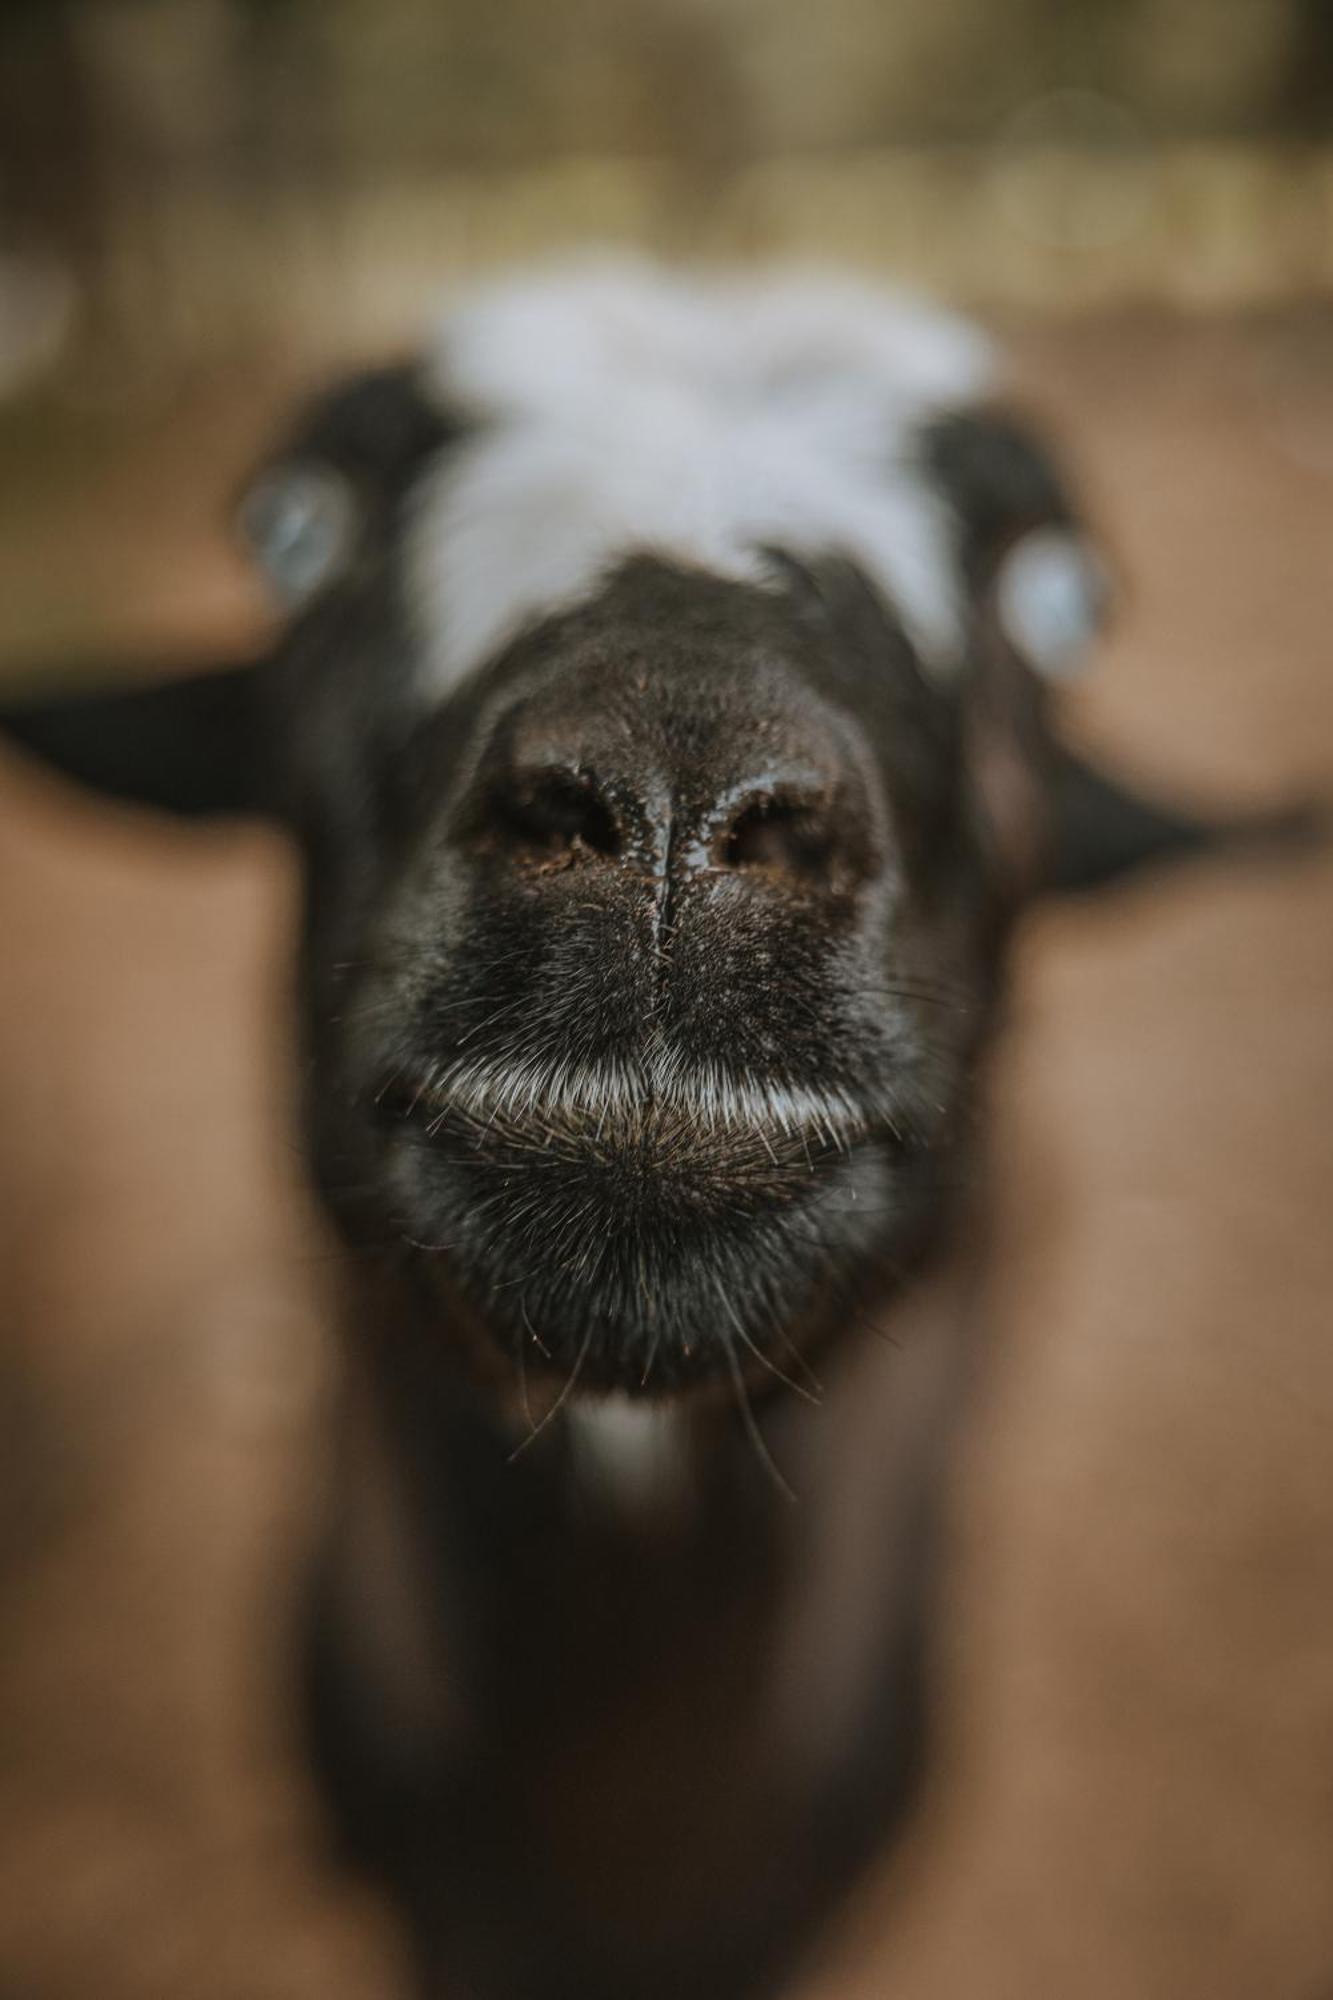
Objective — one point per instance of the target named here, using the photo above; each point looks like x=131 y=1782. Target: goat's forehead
x=622 y=411
x=701 y=667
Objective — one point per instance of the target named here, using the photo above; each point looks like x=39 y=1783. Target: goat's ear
x=195 y=744
x=190 y=745
x=1038 y=592
x=1103 y=829
x=335 y=483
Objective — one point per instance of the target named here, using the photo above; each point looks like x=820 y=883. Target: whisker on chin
x=748 y=1419
x=558 y=1405
x=533 y=1334
x=797 y=1388
x=521 y=1369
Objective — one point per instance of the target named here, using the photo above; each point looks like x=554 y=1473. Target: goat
x=665 y=713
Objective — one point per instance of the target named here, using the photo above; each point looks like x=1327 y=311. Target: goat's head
x=663 y=714
x=640 y=717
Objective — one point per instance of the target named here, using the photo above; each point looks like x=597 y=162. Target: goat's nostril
x=553 y=811
x=780 y=837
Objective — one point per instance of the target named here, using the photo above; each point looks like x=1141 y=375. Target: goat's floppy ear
x=1104 y=829
x=318 y=503
x=1038 y=594
x=195 y=744
x=187 y=745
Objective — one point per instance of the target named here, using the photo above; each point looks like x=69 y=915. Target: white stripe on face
x=625 y=410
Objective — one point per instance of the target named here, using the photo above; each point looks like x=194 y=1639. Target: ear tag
x=1050 y=597
x=299 y=520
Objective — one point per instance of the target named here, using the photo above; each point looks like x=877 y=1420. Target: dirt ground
x=1136 y=1792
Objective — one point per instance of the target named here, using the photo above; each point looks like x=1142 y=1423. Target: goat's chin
x=614 y=1270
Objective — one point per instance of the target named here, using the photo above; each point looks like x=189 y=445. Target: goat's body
x=664 y=716
x=601 y=1740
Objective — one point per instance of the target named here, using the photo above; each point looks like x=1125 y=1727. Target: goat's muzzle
x=648 y=1235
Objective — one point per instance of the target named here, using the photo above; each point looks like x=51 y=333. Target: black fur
x=690 y=833
x=1001 y=481
x=187 y=745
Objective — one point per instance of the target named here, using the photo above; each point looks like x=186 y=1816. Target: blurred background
x=203 y=199
x=209 y=205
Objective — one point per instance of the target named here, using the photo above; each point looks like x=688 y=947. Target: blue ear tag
x=1050 y=596
x=299 y=521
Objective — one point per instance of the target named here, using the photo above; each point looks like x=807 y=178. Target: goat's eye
x=789 y=839
x=300 y=522
x=1051 y=595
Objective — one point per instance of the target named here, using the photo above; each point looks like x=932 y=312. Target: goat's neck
x=451 y=1526
x=665 y=1704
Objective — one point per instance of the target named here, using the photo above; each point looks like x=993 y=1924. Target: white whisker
x=604 y=1097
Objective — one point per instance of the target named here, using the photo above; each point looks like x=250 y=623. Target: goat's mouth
x=637 y=1233
x=691 y=1130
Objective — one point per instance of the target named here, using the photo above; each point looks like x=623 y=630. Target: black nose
x=788 y=824
x=546 y=809
x=785 y=822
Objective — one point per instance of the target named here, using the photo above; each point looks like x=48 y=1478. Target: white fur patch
x=628 y=409
x=633 y=1453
